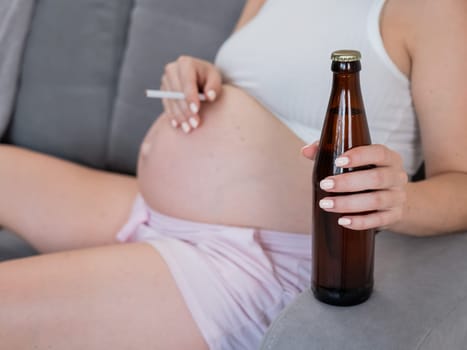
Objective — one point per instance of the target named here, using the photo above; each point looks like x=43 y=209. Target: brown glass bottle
x=343 y=259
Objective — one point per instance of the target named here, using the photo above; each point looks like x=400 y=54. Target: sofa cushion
x=419 y=303
x=13 y=247
x=69 y=75
x=15 y=17
x=161 y=30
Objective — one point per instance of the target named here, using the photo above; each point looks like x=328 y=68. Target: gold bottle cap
x=346 y=56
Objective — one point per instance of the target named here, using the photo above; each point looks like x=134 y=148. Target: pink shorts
x=234 y=280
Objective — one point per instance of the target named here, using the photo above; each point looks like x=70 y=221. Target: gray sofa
x=85 y=67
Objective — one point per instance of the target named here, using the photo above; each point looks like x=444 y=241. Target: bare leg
x=114 y=297
x=57 y=205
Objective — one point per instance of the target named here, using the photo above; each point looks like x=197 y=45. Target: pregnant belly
x=242 y=167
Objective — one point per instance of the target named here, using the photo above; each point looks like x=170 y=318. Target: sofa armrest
x=419 y=302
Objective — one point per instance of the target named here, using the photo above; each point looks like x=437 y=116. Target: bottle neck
x=346 y=67
x=346 y=75
x=345 y=124
x=346 y=81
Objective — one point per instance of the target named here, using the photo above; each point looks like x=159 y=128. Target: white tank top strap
x=376 y=39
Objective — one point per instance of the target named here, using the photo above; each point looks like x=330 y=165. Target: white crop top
x=282 y=58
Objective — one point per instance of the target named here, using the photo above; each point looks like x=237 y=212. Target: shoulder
x=422 y=23
x=436 y=42
x=431 y=21
x=425 y=11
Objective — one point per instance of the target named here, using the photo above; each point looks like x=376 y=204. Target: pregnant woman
x=217 y=241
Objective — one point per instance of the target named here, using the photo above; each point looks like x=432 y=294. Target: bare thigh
x=114 y=297
x=57 y=205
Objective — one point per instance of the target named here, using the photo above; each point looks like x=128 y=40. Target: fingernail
x=211 y=95
x=194 y=108
x=174 y=123
x=193 y=122
x=186 y=127
x=344 y=221
x=326 y=204
x=342 y=161
x=326 y=184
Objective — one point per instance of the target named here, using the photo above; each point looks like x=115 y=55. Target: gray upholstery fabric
x=13 y=247
x=71 y=67
x=419 y=303
x=15 y=16
x=161 y=31
x=69 y=81
x=72 y=71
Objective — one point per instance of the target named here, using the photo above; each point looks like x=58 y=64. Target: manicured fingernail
x=211 y=95
x=342 y=161
x=186 y=127
x=174 y=123
x=326 y=204
x=326 y=184
x=193 y=122
x=344 y=221
x=194 y=108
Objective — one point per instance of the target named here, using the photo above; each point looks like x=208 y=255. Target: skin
x=414 y=42
x=432 y=58
x=68 y=299
x=79 y=297
x=192 y=168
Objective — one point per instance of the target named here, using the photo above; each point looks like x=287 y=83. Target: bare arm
x=437 y=44
x=432 y=49
x=250 y=10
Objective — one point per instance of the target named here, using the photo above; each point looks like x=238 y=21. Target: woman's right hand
x=190 y=76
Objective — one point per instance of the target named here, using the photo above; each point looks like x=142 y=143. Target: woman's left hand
x=387 y=182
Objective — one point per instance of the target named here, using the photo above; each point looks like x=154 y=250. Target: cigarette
x=170 y=95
